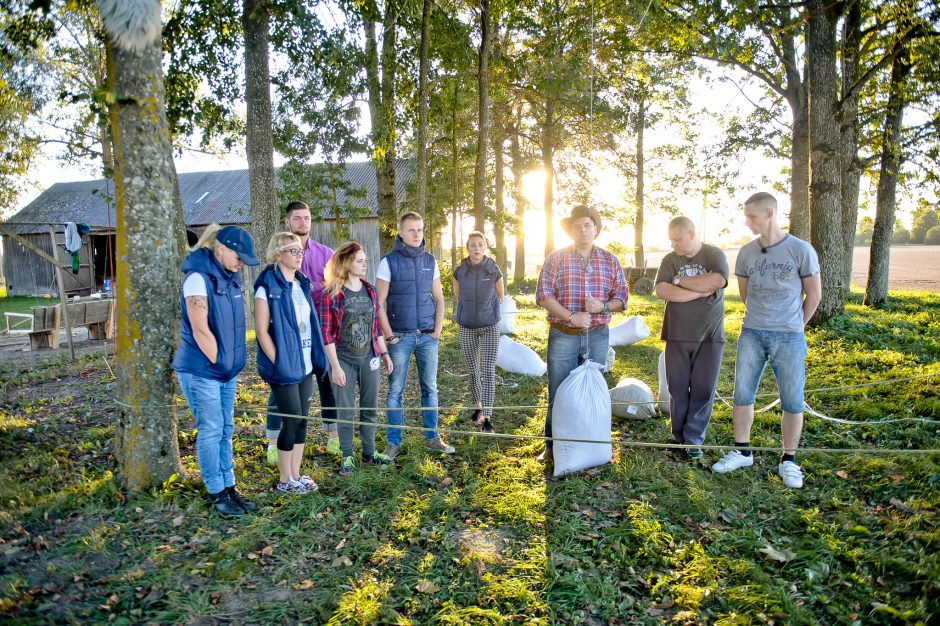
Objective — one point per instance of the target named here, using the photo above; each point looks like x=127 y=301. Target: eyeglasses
x=293 y=251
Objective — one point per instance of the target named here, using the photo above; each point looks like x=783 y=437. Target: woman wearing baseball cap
x=212 y=353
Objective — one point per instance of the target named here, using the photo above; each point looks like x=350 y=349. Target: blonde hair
x=207 y=238
x=477 y=234
x=278 y=242
x=337 y=268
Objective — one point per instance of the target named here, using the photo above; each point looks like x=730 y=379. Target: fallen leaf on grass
x=427 y=586
x=842 y=474
x=306 y=583
x=267 y=550
x=784 y=556
x=667 y=603
x=178 y=520
x=342 y=561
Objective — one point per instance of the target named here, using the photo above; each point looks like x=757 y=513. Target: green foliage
x=932 y=238
x=925 y=218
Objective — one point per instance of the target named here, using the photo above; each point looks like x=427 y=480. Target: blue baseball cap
x=240 y=242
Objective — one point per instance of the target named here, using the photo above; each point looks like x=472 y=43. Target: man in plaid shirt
x=580 y=286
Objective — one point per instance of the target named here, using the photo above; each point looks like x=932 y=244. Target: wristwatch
x=676 y=279
x=606 y=309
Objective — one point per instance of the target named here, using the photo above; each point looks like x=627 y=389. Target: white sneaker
x=732 y=461
x=792 y=474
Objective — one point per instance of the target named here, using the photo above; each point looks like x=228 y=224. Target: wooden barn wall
x=365 y=231
x=27 y=274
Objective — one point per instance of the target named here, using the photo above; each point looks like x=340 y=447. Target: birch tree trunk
x=548 y=165
x=148 y=277
x=825 y=191
x=258 y=137
x=499 y=221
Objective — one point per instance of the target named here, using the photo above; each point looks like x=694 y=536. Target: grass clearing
x=483 y=537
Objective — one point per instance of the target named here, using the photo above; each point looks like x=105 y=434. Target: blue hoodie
x=226 y=321
x=288 y=366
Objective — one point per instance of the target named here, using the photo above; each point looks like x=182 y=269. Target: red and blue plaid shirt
x=331 y=316
x=564 y=278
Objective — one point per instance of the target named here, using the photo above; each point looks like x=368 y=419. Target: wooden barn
x=208 y=197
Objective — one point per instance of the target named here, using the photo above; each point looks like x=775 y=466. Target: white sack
x=631 y=331
x=507 y=316
x=611 y=357
x=519 y=359
x=632 y=399
x=663 y=396
x=581 y=411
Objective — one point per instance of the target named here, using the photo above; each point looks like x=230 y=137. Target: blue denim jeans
x=212 y=404
x=566 y=352
x=786 y=353
x=424 y=347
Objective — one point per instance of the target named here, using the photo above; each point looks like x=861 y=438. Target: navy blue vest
x=478 y=306
x=410 y=305
x=226 y=321
x=288 y=366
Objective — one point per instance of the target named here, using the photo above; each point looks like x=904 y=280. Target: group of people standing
x=317 y=317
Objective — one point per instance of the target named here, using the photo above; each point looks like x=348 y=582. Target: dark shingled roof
x=208 y=197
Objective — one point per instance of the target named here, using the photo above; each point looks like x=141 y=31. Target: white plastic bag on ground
x=632 y=399
x=519 y=359
x=581 y=411
x=507 y=316
x=663 y=396
x=631 y=331
x=611 y=357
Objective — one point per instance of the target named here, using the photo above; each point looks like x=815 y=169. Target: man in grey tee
x=778 y=277
x=691 y=280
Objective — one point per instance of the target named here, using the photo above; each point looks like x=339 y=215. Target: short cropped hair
x=682 y=223
x=296 y=205
x=762 y=200
x=409 y=216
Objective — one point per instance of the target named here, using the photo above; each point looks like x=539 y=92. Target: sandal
x=477 y=418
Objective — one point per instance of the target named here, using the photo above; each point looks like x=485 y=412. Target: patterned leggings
x=480 y=346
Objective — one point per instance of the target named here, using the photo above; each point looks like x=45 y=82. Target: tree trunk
x=148 y=228
x=421 y=172
x=381 y=87
x=455 y=186
x=265 y=216
x=519 y=200
x=548 y=166
x=483 y=123
x=799 y=172
x=638 y=255
x=825 y=166
x=848 y=129
x=499 y=220
x=876 y=291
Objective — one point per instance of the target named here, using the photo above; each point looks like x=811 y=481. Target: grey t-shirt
x=702 y=319
x=355 y=336
x=775 y=283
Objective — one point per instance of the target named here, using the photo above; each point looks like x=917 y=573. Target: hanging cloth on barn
x=73 y=241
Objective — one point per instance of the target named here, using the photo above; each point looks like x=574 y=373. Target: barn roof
x=208 y=197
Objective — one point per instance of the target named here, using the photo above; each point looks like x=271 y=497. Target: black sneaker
x=487 y=426
x=239 y=500
x=223 y=503
x=477 y=417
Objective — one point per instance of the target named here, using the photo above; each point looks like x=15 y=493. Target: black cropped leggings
x=293 y=400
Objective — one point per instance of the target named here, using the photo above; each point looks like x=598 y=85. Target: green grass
x=483 y=537
x=22 y=304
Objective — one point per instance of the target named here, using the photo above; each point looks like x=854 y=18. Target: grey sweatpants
x=691 y=375
x=358 y=373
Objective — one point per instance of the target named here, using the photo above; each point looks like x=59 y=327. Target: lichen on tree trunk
x=149 y=224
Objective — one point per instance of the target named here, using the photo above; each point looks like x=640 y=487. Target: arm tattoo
x=198 y=302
